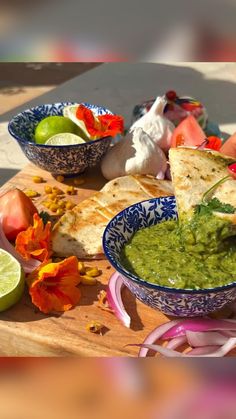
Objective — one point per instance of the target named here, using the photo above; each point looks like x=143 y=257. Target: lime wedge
x=11 y=280
x=65 y=139
x=70 y=112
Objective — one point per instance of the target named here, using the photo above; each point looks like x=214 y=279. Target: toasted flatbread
x=194 y=172
x=79 y=231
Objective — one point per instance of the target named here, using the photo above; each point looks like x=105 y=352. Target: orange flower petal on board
x=53 y=286
x=102 y=125
x=35 y=242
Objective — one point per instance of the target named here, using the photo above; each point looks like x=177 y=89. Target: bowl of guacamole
x=186 y=269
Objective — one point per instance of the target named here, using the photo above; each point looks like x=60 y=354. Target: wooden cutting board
x=25 y=331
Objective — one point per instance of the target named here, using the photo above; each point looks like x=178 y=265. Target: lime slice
x=53 y=125
x=65 y=139
x=11 y=280
x=70 y=112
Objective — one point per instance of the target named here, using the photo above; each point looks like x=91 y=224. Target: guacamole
x=197 y=254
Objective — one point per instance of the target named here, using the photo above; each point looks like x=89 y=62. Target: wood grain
x=25 y=331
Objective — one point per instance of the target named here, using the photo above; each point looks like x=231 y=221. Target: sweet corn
x=88 y=280
x=59 y=211
x=37 y=179
x=92 y=272
x=53 y=207
x=57 y=191
x=70 y=190
x=48 y=189
x=60 y=178
x=94 y=327
x=46 y=204
x=81 y=268
x=31 y=194
x=61 y=204
x=52 y=196
x=78 y=182
x=69 y=205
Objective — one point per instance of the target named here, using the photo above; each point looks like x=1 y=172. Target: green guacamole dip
x=193 y=255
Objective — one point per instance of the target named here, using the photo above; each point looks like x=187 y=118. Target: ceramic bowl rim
x=26 y=111
x=141 y=281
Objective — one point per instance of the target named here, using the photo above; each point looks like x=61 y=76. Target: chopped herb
x=45 y=217
x=214 y=205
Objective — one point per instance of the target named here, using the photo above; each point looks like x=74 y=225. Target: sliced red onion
x=203 y=144
x=223 y=350
x=155 y=335
x=204 y=350
x=176 y=342
x=27 y=265
x=114 y=298
x=199 y=325
x=196 y=339
x=161 y=349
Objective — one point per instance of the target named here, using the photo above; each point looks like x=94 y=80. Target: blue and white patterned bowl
x=171 y=301
x=65 y=160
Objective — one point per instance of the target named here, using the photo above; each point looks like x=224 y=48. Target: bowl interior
x=122 y=227
x=23 y=125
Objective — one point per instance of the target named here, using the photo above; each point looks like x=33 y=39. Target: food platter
x=27 y=332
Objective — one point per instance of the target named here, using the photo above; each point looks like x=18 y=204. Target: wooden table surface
x=24 y=331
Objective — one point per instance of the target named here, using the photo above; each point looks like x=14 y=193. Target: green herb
x=214 y=205
x=212 y=188
x=45 y=217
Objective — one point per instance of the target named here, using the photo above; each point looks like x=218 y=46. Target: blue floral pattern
x=172 y=301
x=65 y=160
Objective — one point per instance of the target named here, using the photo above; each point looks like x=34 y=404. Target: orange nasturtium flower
x=52 y=286
x=102 y=125
x=35 y=242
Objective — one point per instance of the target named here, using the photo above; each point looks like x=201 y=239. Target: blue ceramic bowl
x=171 y=301
x=64 y=160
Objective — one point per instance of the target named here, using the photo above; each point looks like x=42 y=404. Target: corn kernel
x=60 y=178
x=69 y=205
x=57 y=191
x=81 y=268
x=71 y=190
x=78 y=182
x=37 y=179
x=48 y=189
x=52 y=196
x=59 y=211
x=93 y=272
x=53 y=207
x=61 y=204
x=46 y=204
x=88 y=280
x=94 y=327
x=31 y=194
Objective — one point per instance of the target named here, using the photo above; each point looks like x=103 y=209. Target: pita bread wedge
x=79 y=231
x=194 y=172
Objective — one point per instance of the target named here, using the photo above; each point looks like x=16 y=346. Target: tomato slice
x=188 y=133
x=16 y=210
x=229 y=147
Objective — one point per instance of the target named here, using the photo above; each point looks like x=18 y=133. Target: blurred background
x=124 y=388
x=150 y=30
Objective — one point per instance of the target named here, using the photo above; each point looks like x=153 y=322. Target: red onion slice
x=155 y=335
x=199 y=325
x=114 y=298
x=204 y=350
x=176 y=342
x=196 y=339
x=27 y=265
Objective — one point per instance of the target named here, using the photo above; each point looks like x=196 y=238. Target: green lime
x=51 y=126
x=11 y=280
x=65 y=139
